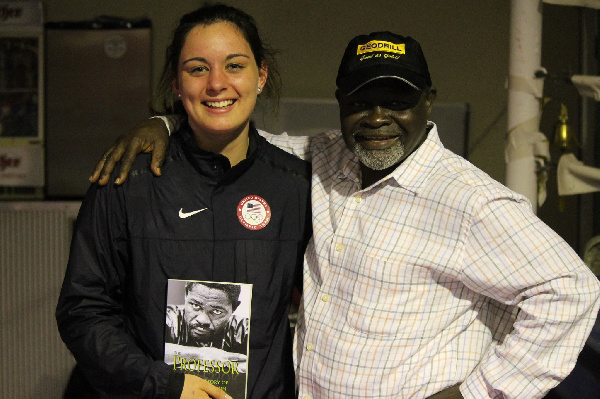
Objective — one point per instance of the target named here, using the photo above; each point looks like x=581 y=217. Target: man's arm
x=150 y=135
x=295 y=145
x=516 y=259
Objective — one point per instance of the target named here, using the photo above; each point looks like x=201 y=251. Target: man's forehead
x=383 y=86
x=200 y=290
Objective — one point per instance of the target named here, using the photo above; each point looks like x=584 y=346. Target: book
x=207 y=332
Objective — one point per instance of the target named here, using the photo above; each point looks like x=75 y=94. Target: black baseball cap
x=382 y=55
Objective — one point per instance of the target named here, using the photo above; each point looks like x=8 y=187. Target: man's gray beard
x=379 y=159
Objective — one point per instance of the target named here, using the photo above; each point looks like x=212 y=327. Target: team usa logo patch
x=253 y=212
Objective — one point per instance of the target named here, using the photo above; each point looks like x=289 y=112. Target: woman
x=229 y=207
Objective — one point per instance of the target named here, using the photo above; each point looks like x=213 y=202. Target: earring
x=259 y=89
x=179 y=95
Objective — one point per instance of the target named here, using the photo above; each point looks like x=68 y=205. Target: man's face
x=384 y=122
x=207 y=312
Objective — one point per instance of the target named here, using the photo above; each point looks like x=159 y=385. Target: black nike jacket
x=200 y=220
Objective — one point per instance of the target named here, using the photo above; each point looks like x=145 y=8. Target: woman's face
x=218 y=81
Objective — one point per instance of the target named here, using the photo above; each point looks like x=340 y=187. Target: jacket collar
x=216 y=166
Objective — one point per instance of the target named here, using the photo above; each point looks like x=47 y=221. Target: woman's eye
x=198 y=70
x=235 y=67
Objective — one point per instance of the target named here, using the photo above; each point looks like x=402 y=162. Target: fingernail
x=118 y=180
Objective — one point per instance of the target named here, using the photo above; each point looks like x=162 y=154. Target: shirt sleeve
x=90 y=313
x=295 y=145
x=514 y=258
x=172 y=122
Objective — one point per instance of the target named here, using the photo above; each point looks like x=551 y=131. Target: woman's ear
x=263 y=73
x=175 y=87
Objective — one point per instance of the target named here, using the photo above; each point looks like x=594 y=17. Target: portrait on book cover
x=208 y=314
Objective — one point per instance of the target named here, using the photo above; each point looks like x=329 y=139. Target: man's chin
x=379 y=159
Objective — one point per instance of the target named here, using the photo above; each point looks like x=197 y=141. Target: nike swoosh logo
x=184 y=215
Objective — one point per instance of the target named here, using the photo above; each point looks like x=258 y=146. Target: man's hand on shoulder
x=149 y=136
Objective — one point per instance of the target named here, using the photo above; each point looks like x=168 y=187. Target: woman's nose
x=217 y=81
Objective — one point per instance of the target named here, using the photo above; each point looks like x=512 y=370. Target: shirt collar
x=415 y=172
x=351 y=168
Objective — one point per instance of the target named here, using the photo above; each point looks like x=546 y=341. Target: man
x=207 y=318
x=425 y=277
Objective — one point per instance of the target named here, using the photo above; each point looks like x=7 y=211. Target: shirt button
x=310 y=347
x=339 y=247
x=358 y=199
x=325 y=298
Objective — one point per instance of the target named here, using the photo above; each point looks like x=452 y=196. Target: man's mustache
x=377 y=134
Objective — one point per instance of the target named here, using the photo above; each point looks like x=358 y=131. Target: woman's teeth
x=219 y=104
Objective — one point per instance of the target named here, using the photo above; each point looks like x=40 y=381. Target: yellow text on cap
x=379 y=45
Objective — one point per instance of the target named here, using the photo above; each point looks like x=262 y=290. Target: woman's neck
x=233 y=146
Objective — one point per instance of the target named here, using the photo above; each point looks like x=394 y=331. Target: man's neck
x=370 y=176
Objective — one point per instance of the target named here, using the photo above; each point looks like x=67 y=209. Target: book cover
x=207 y=332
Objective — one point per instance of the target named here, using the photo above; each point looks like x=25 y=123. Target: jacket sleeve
x=516 y=259
x=90 y=313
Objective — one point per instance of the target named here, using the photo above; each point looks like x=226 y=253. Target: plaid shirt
x=413 y=284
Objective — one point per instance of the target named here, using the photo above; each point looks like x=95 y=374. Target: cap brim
x=383 y=77
x=351 y=83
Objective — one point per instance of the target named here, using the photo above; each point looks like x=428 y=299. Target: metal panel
x=98 y=85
